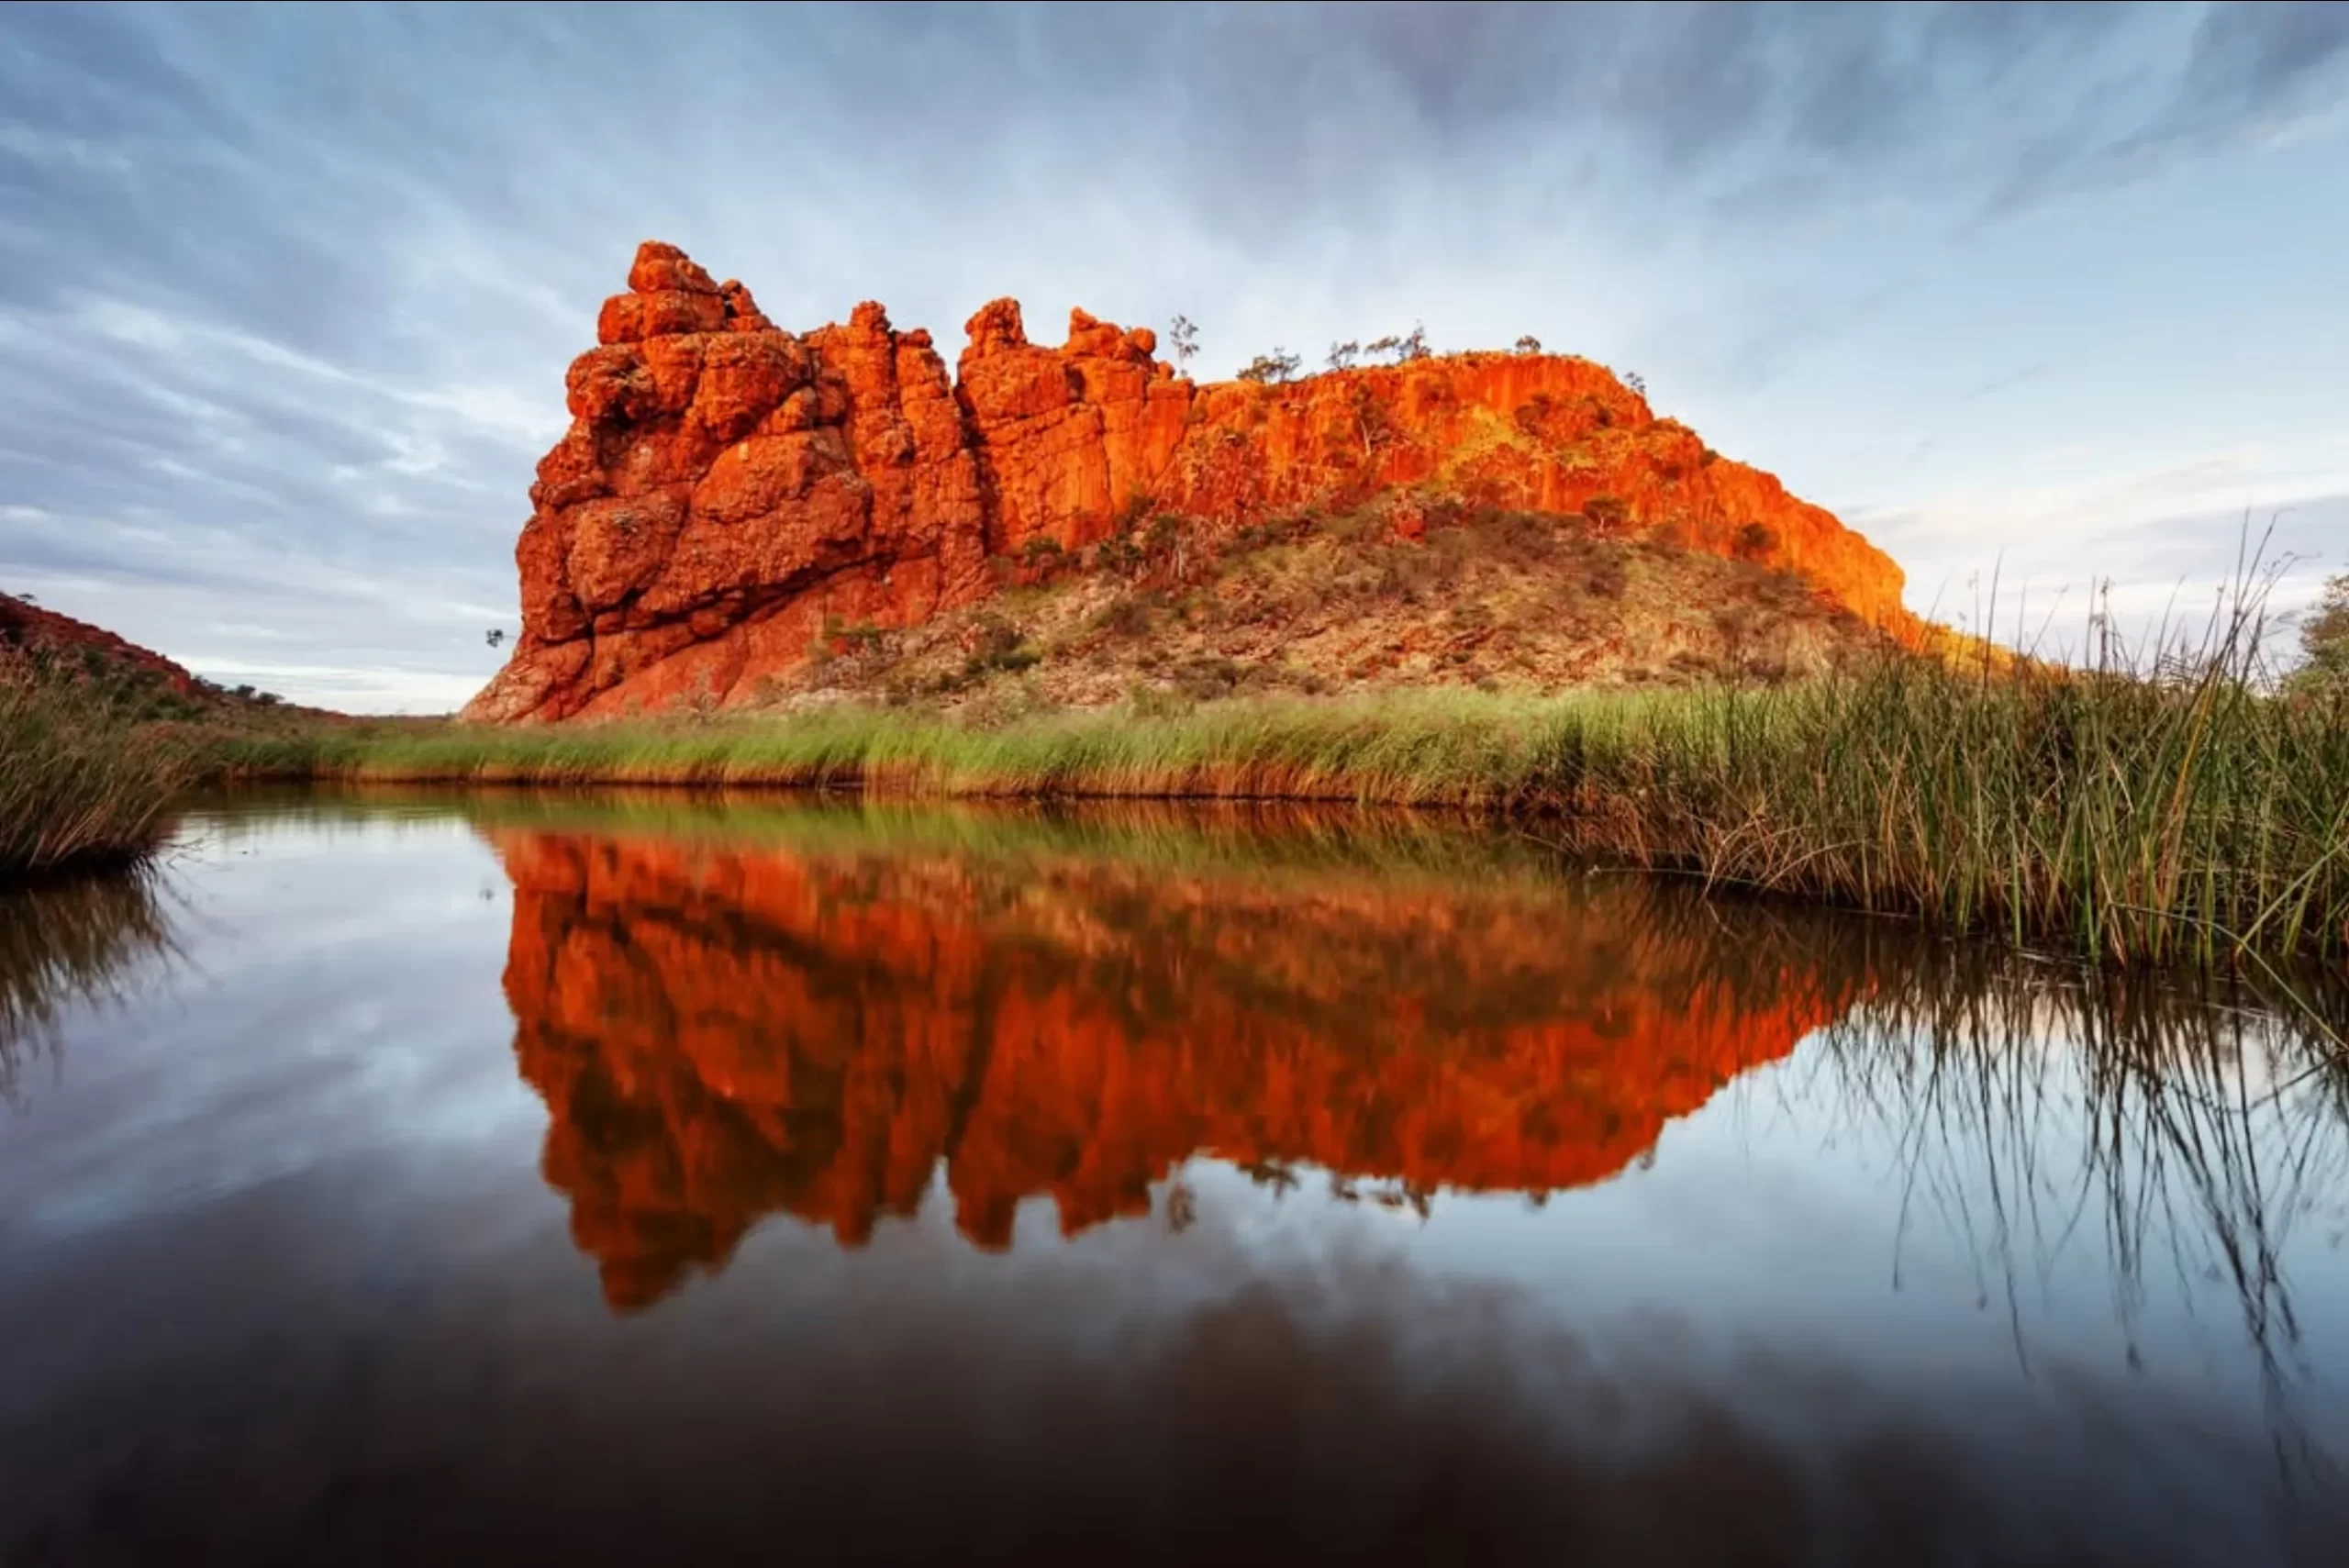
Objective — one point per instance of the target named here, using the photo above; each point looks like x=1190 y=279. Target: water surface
x=586 y=1178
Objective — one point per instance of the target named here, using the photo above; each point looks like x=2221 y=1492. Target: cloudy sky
x=286 y=293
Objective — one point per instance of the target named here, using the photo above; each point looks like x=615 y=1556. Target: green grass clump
x=78 y=783
x=2137 y=819
x=1427 y=747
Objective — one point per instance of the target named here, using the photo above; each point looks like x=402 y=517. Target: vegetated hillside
x=1303 y=605
x=116 y=678
x=729 y=492
x=116 y=671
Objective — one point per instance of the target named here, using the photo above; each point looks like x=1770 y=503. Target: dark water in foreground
x=474 y=1179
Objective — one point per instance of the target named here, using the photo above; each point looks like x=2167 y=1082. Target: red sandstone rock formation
x=727 y=486
x=722 y=1034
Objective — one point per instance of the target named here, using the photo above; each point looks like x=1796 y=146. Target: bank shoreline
x=2126 y=819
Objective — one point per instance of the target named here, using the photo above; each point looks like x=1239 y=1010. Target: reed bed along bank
x=2134 y=818
x=78 y=784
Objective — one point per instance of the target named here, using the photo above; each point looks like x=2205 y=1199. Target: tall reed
x=77 y=783
x=2136 y=818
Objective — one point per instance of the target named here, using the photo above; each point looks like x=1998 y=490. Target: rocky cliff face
x=725 y=487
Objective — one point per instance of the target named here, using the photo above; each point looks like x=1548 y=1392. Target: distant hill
x=135 y=681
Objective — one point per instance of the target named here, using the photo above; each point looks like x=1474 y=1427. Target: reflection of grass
x=2192 y=1127
x=1240 y=885
x=2134 y=818
x=1255 y=838
x=77 y=783
x=1216 y=862
x=70 y=943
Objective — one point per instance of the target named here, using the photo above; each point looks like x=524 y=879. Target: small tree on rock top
x=1278 y=365
x=1182 y=337
x=1413 y=346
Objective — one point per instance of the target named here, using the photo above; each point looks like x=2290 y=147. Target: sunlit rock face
x=726 y=486
x=722 y=1034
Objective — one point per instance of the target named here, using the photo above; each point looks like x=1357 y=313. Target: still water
x=435 y=1178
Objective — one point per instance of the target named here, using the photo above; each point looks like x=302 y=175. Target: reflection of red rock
x=721 y=1035
x=725 y=485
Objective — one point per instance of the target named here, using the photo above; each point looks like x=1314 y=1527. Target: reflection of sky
x=1777 y=1212
x=340 y=995
x=312 y=1135
x=335 y=995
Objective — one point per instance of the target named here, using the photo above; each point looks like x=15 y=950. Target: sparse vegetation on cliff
x=1278 y=365
x=1407 y=591
x=1182 y=339
x=1401 y=348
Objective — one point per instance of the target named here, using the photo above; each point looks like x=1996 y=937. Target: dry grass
x=1313 y=604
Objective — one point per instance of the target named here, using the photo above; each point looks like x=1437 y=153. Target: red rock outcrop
x=721 y=1033
x=726 y=486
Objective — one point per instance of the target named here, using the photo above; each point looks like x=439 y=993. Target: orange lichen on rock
x=727 y=486
x=723 y=1034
